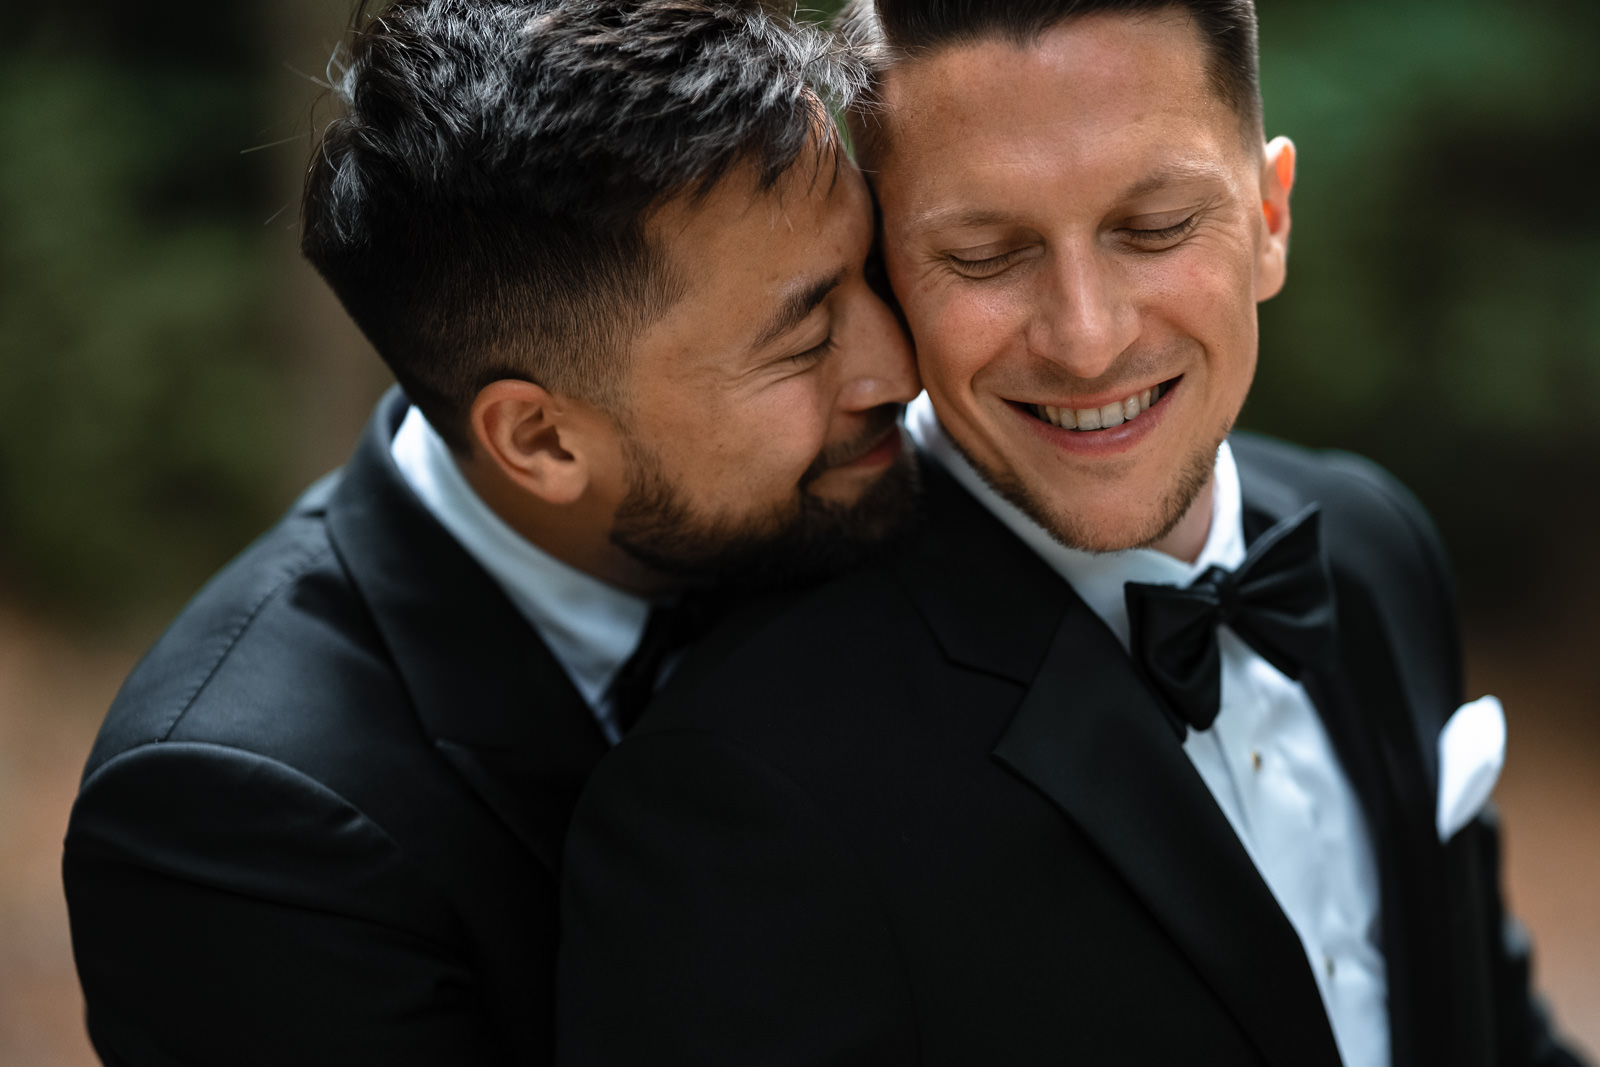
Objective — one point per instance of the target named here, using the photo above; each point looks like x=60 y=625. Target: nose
x=878 y=369
x=1083 y=316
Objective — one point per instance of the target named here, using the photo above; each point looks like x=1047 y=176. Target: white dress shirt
x=591 y=627
x=1267 y=759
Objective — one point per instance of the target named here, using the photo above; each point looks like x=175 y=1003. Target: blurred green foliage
x=142 y=418
x=1442 y=315
x=1443 y=307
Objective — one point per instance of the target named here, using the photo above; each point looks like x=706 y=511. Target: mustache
x=880 y=420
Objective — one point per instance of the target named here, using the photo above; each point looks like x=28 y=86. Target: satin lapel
x=497 y=705
x=1090 y=736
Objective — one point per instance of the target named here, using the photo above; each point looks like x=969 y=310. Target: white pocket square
x=1472 y=749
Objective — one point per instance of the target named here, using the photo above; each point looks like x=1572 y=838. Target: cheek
x=936 y=312
x=1205 y=296
x=1210 y=302
x=786 y=427
x=958 y=329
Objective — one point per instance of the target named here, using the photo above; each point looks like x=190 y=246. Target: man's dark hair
x=481 y=206
x=897 y=30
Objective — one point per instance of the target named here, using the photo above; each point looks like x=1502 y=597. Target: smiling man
x=1079 y=233
x=1144 y=750
x=614 y=256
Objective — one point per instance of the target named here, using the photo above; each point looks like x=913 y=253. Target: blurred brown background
x=170 y=375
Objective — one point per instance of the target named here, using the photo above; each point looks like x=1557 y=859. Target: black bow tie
x=1279 y=601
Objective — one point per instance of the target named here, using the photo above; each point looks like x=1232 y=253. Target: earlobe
x=524 y=432
x=1277 y=179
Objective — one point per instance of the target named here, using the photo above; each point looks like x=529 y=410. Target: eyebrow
x=1176 y=174
x=961 y=218
x=975 y=218
x=802 y=299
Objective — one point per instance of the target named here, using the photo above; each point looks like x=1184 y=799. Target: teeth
x=1062 y=417
x=1103 y=418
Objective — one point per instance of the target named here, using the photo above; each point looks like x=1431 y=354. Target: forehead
x=1105 y=92
x=740 y=228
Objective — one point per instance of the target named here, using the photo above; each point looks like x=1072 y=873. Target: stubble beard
x=1072 y=532
x=802 y=540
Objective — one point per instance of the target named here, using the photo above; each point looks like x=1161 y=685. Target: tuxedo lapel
x=496 y=703
x=1091 y=738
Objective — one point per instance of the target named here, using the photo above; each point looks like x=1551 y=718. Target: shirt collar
x=1097 y=577
x=590 y=627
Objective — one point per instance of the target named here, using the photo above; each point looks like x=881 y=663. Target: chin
x=1112 y=533
x=1116 y=523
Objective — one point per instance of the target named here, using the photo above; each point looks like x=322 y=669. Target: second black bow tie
x=1279 y=601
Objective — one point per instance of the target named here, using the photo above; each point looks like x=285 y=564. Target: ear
x=1277 y=179
x=534 y=438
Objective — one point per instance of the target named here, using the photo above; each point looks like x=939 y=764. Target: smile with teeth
x=1102 y=418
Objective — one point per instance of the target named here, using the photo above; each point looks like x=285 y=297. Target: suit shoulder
x=1384 y=550
x=273 y=635
x=1363 y=504
x=1331 y=475
x=271 y=710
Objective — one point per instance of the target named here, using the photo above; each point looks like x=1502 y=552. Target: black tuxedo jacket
x=323 y=820
x=931 y=814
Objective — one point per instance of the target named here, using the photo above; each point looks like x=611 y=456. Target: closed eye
x=987 y=267
x=1166 y=236
x=814 y=354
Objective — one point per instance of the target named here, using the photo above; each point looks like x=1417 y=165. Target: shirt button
x=1327 y=962
x=1255 y=759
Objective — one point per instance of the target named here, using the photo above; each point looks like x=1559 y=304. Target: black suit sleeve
x=1523 y=1031
x=226 y=908
x=713 y=915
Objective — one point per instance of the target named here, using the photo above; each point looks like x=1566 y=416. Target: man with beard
x=614 y=257
x=1146 y=749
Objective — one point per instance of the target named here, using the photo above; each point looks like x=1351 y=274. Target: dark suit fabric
x=931 y=814
x=323 y=819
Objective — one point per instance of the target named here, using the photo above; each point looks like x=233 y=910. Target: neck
x=1187 y=539
x=577 y=533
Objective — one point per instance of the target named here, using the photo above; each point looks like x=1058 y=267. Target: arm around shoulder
x=227 y=908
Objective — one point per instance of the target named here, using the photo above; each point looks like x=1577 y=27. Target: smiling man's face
x=761 y=440
x=1079 y=232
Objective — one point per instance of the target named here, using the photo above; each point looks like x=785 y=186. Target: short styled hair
x=481 y=205
x=893 y=31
